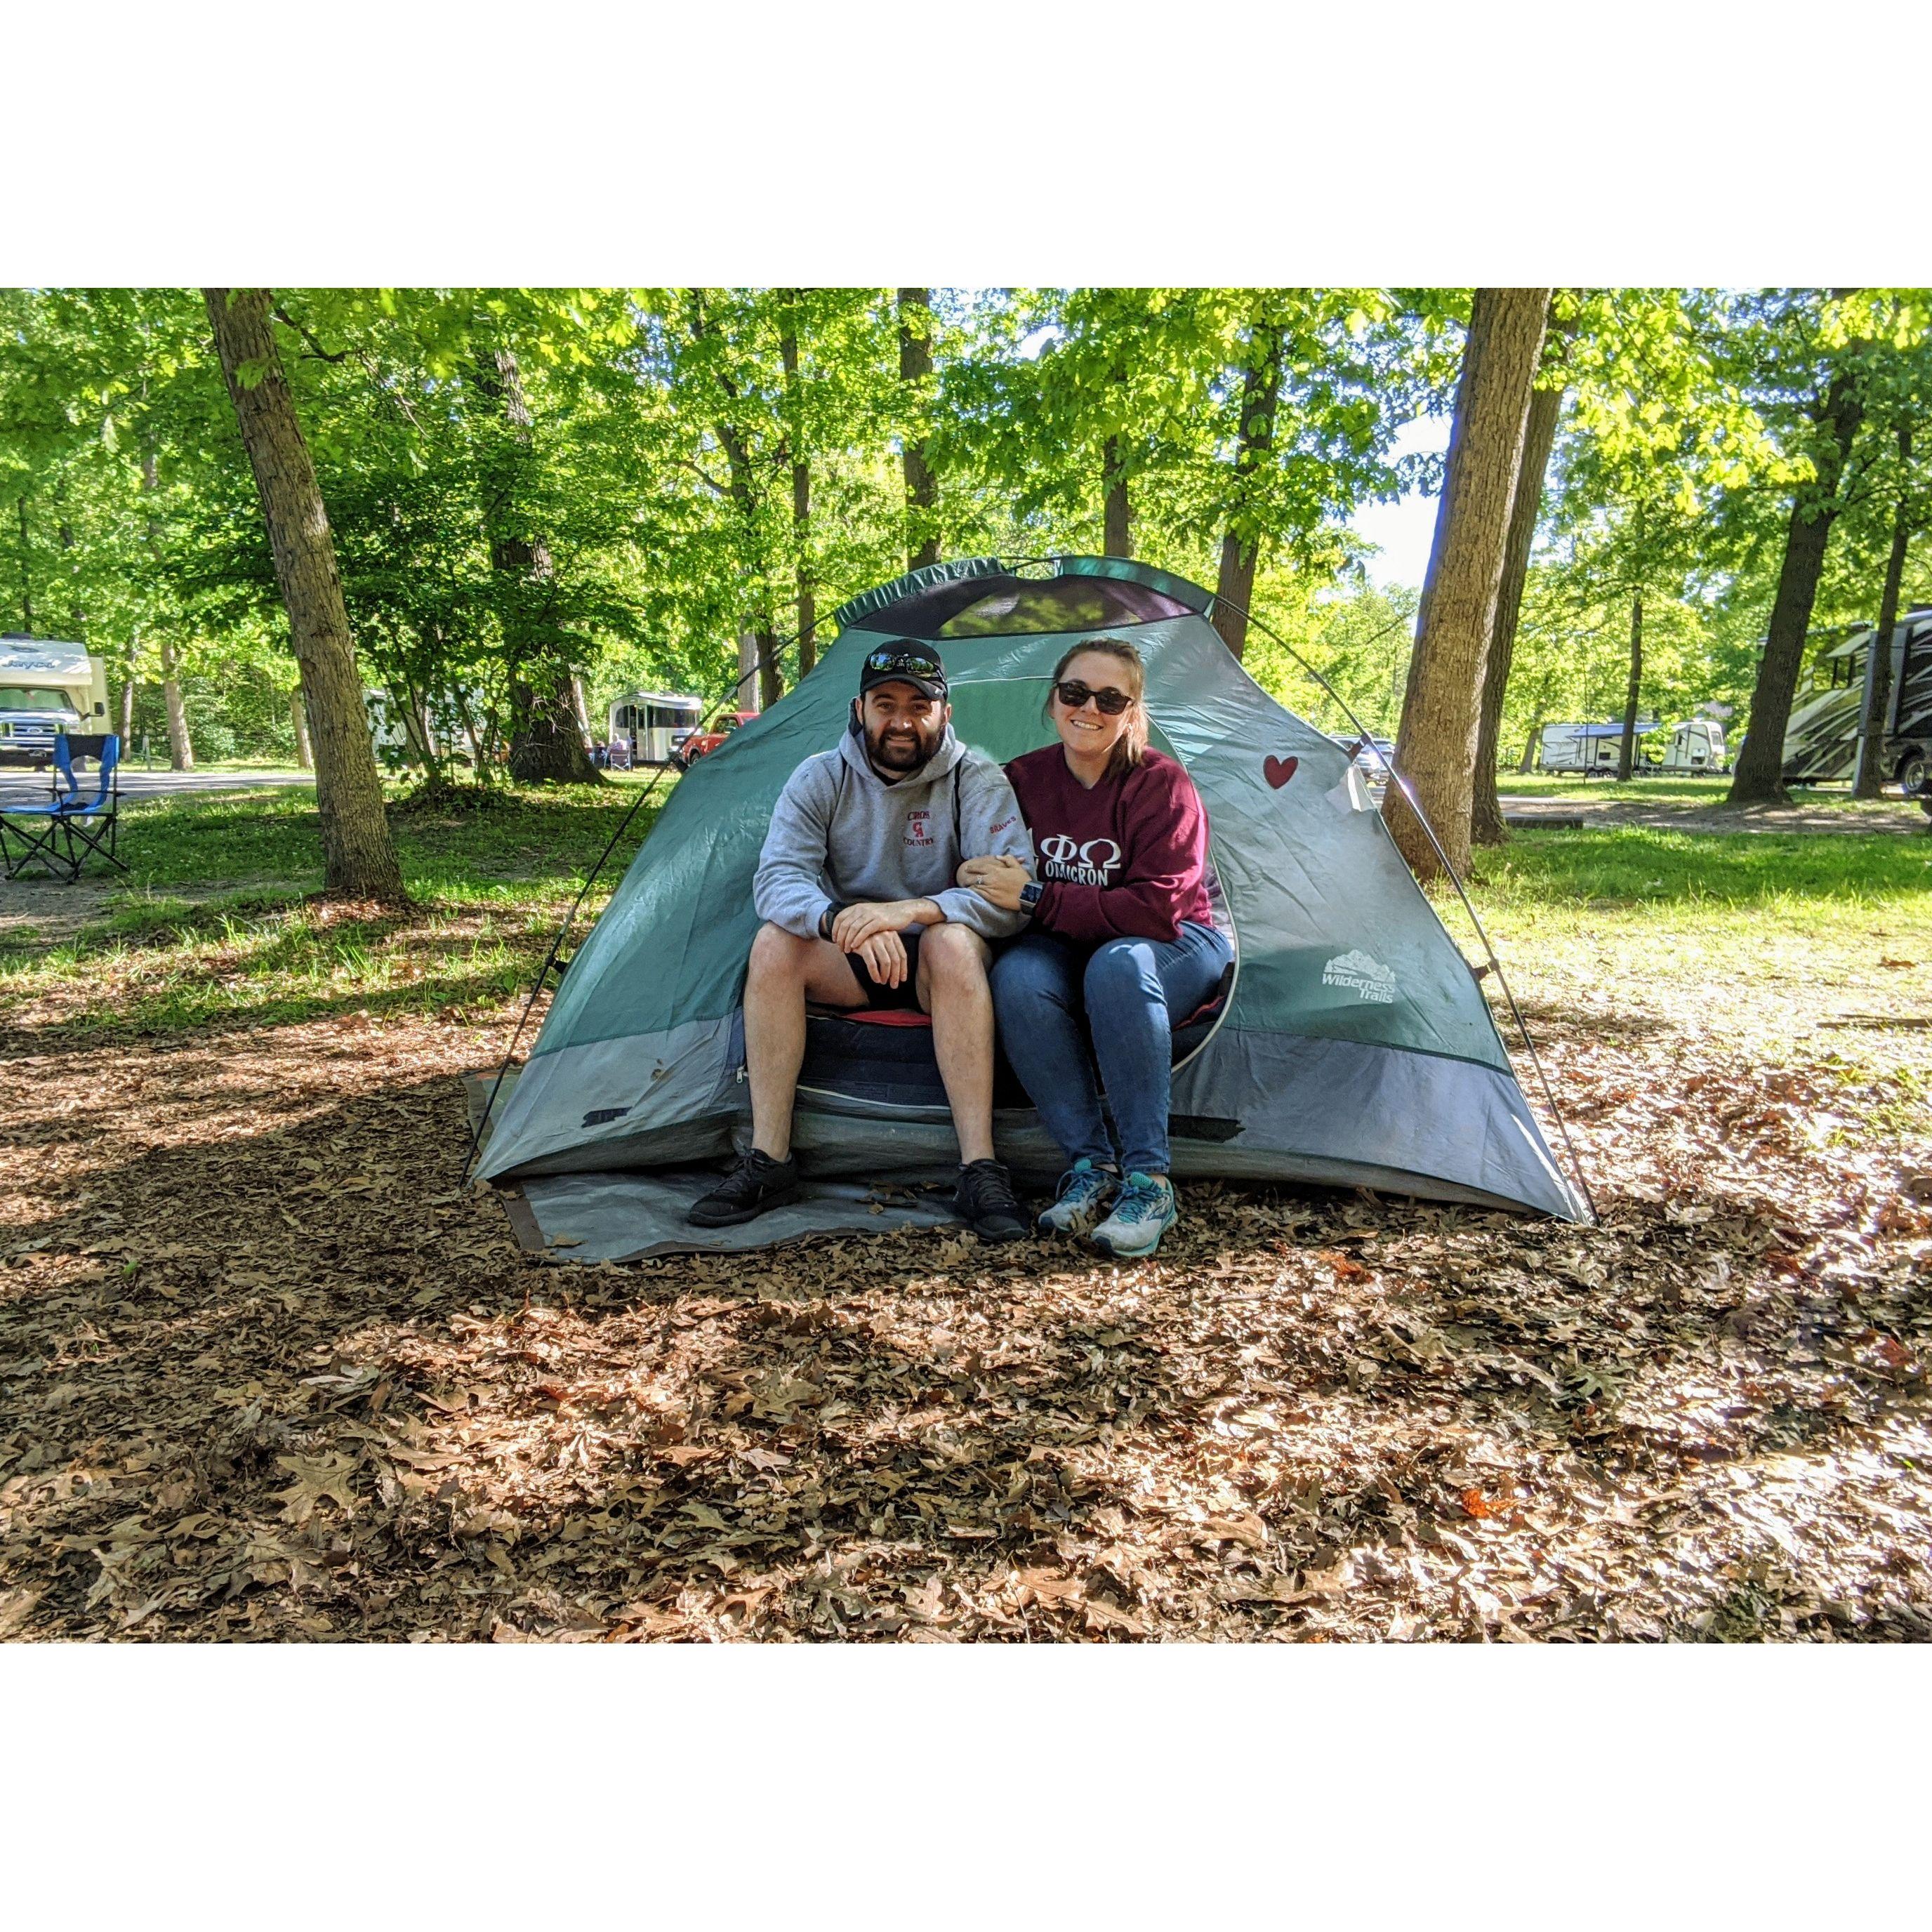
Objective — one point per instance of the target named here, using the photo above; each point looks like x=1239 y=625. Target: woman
x=1122 y=947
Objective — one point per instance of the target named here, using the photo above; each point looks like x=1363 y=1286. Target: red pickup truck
x=699 y=742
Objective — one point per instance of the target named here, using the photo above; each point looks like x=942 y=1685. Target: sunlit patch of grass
x=172 y=951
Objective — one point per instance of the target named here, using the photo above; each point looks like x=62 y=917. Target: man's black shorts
x=904 y=997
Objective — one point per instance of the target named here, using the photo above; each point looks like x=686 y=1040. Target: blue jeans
x=1062 y=1006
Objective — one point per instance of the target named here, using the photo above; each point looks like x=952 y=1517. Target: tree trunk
x=801 y=494
x=1441 y=711
x=921 y=493
x=1486 y=811
x=1626 y=745
x=1758 y=777
x=298 y=717
x=751 y=685
x=546 y=740
x=26 y=576
x=180 y=746
x=1240 y=544
x=359 y=857
x=1870 y=774
x=1528 y=763
x=1117 y=510
x=76 y=615
x=126 y=717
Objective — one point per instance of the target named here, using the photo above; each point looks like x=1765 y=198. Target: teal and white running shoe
x=1084 y=1192
x=1144 y=1210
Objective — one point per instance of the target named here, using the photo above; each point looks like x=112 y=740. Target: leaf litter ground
x=267 y=1371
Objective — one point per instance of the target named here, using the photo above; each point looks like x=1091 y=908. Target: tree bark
x=77 y=616
x=1758 y=777
x=1442 y=712
x=922 y=492
x=26 y=576
x=359 y=857
x=1116 y=514
x=801 y=493
x=181 y=746
x=1870 y=775
x=298 y=717
x=125 y=719
x=760 y=639
x=1485 y=810
x=546 y=740
x=1240 y=543
x=1626 y=745
x=1527 y=763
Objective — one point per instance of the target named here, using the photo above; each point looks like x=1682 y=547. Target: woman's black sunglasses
x=1073 y=694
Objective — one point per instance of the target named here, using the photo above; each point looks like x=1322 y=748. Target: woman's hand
x=997 y=879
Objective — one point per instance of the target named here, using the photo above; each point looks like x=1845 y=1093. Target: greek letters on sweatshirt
x=840 y=834
x=1125 y=860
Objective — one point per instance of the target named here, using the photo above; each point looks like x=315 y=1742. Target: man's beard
x=897 y=749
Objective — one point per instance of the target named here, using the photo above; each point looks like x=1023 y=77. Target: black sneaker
x=756 y=1183
x=985 y=1201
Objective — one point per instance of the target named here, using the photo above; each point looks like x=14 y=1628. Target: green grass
x=1776 y=873
x=1671 y=789
x=216 y=926
x=274 y=835
x=1762 y=935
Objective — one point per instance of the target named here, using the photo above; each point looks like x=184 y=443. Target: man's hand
x=884 y=954
x=858 y=923
x=997 y=880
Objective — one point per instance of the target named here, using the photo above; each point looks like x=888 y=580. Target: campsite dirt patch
x=267 y=1370
x=38 y=914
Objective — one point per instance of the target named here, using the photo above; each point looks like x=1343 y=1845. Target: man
x=856 y=886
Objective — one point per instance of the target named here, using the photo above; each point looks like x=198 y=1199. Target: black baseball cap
x=903 y=661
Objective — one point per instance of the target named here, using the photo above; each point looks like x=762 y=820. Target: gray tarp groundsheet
x=634 y=1215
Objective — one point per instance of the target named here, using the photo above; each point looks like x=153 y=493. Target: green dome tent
x=1352 y=1046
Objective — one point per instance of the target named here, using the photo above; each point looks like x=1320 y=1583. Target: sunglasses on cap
x=1073 y=695
x=908 y=664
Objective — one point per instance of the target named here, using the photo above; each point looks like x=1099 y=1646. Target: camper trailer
x=1585 y=748
x=1821 y=743
x=653 y=723
x=1697 y=745
x=46 y=688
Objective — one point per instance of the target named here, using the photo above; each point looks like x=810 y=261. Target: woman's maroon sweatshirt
x=1125 y=860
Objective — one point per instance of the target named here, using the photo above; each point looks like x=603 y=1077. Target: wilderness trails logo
x=1370 y=978
x=1091 y=864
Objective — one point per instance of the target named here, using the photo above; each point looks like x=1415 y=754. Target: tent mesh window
x=1002 y=607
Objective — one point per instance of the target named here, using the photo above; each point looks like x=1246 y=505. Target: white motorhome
x=652 y=724
x=1585 y=748
x=47 y=687
x=1697 y=745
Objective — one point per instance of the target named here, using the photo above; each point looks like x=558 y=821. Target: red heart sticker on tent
x=1279 y=771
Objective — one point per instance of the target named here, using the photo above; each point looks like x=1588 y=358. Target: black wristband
x=826 y=918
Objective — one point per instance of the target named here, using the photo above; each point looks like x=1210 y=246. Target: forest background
x=627 y=483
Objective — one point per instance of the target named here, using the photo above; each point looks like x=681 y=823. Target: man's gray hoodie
x=840 y=834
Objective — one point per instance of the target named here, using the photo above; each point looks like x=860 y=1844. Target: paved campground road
x=18 y=787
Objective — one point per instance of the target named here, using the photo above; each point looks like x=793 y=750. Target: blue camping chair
x=63 y=834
